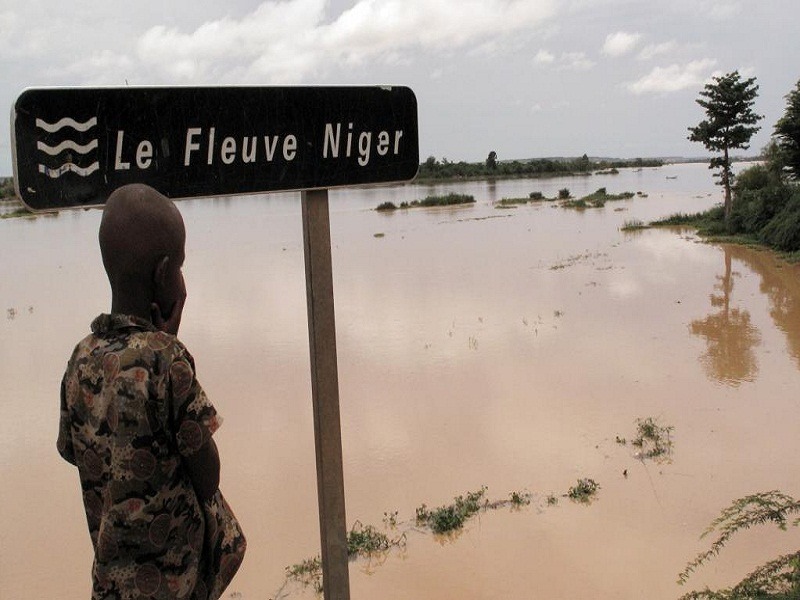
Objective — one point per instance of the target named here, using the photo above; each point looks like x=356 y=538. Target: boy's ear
x=160 y=274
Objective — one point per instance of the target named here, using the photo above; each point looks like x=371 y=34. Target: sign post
x=72 y=147
x=325 y=394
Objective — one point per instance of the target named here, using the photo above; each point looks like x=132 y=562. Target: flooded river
x=506 y=348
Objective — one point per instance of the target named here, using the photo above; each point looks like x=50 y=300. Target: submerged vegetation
x=633 y=225
x=452 y=516
x=652 y=440
x=596 y=199
x=583 y=491
x=778 y=579
x=365 y=541
x=446 y=200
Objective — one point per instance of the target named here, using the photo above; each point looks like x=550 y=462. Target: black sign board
x=74 y=146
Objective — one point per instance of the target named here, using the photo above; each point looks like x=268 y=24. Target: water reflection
x=730 y=336
x=781 y=284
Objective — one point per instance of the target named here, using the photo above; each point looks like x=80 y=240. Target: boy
x=138 y=426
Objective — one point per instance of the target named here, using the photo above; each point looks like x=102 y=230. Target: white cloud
x=92 y=69
x=543 y=57
x=567 y=60
x=575 y=60
x=674 y=77
x=620 y=43
x=721 y=10
x=652 y=50
x=289 y=41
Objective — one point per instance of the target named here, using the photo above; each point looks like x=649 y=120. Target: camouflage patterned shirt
x=130 y=409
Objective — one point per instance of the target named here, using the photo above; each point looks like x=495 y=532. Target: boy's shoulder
x=130 y=337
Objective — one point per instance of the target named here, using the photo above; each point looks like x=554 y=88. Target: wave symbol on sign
x=71 y=145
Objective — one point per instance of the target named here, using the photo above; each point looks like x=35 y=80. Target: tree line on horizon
x=492 y=167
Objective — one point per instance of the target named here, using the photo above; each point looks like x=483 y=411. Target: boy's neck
x=135 y=307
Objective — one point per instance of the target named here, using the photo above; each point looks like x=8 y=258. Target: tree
x=731 y=122
x=491 y=161
x=787 y=130
x=774 y=158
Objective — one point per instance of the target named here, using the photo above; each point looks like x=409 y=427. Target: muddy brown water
x=477 y=346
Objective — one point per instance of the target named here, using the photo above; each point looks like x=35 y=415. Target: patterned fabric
x=130 y=408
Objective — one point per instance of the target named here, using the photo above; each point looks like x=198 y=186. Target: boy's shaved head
x=139 y=227
x=142 y=241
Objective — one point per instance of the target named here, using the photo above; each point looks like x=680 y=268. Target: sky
x=523 y=78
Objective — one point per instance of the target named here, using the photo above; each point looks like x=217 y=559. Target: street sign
x=74 y=146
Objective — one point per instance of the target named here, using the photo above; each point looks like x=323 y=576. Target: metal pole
x=325 y=394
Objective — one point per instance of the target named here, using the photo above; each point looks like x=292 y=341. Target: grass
x=710 y=222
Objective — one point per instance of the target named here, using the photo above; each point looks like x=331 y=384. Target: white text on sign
x=205 y=145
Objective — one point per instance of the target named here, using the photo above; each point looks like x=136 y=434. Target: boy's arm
x=64 y=443
x=203 y=468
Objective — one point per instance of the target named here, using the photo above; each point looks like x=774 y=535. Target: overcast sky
x=526 y=78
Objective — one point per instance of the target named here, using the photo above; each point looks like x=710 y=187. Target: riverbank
x=765 y=212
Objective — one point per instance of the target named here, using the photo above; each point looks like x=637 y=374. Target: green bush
x=753 y=208
x=753 y=178
x=783 y=230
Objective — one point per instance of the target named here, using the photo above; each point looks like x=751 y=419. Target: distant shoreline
x=504 y=177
